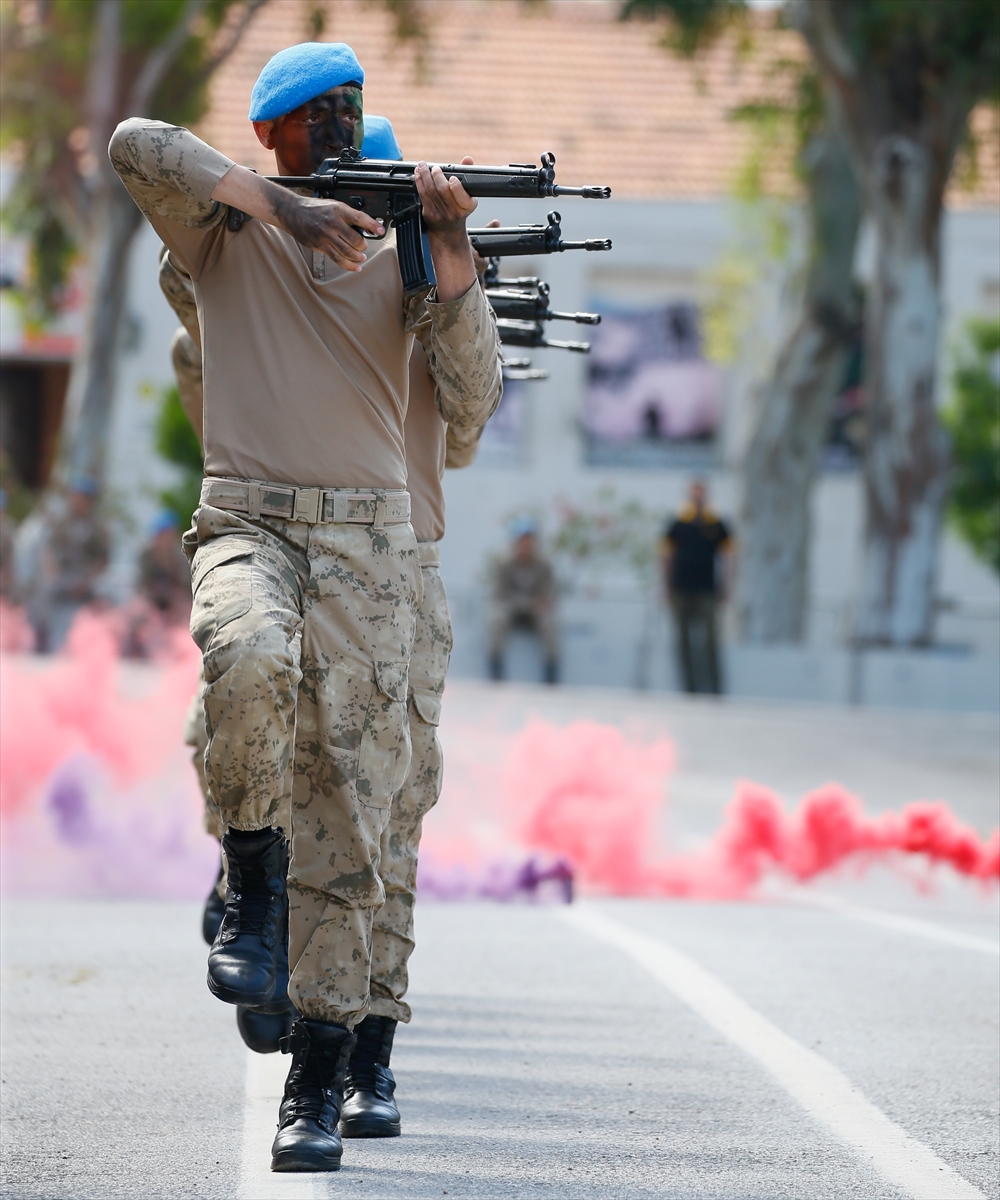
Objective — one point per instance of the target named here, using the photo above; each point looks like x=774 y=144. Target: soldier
x=162 y=599
x=164 y=575
x=304 y=564
x=74 y=555
x=524 y=597
x=185 y=354
x=431 y=444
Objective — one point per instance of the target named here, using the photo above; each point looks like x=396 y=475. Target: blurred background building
x=696 y=297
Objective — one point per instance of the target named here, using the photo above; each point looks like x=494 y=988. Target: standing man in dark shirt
x=696 y=582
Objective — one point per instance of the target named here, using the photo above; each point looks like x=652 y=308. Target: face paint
x=320 y=129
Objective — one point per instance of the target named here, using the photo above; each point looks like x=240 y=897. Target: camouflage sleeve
x=169 y=172
x=186 y=358
x=463 y=352
x=461 y=446
x=176 y=285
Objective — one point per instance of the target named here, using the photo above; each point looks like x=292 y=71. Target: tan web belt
x=315 y=505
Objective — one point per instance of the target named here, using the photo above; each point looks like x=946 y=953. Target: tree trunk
x=904 y=123
x=95 y=371
x=906 y=458
x=783 y=457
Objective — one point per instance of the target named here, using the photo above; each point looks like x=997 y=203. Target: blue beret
x=302 y=73
x=85 y=485
x=163 y=520
x=380 y=140
x=522 y=526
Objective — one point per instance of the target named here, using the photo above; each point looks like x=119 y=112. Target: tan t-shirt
x=305 y=364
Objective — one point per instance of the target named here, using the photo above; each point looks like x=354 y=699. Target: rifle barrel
x=578 y=318
x=588 y=193
x=526 y=373
x=589 y=244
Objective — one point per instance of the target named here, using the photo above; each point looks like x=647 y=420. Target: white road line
x=265 y=1083
x=823 y=1090
x=898 y=924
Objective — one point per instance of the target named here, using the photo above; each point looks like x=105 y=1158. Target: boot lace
x=366 y=1071
x=256 y=896
x=306 y=1093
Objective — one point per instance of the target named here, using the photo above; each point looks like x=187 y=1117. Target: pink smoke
x=584 y=793
x=98 y=797
x=97 y=793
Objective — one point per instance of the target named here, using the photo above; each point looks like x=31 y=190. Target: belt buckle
x=307 y=505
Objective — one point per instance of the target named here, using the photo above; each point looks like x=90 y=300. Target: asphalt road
x=834 y=1041
x=543 y=1061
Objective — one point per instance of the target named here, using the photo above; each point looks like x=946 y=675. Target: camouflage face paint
x=334 y=122
x=320 y=129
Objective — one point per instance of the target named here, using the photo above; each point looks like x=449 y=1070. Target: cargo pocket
x=383 y=758
x=428 y=707
x=221 y=586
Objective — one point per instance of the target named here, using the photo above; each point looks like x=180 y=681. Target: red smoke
x=586 y=794
x=98 y=797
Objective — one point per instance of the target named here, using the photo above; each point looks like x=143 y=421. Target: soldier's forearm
x=256 y=196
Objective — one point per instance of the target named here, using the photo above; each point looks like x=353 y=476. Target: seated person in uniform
x=524 y=597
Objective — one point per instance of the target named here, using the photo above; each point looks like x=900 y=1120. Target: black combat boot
x=262 y=1032
x=307 y=1138
x=241 y=964
x=263 y=1027
x=369 y=1108
x=215 y=908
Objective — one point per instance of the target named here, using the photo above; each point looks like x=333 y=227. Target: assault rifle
x=524 y=240
x=528 y=300
x=532 y=333
x=521 y=368
x=388 y=191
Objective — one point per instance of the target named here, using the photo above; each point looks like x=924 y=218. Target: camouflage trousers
x=393 y=937
x=392 y=940
x=306 y=632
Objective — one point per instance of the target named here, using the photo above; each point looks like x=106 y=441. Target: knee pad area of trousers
x=250 y=657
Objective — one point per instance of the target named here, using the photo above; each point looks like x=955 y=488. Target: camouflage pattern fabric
x=77 y=549
x=186 y=359
x=393 y=940
x=306 y=632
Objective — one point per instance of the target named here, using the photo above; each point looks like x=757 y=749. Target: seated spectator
x=163 y=591
x=164 y=573
x=524 y=594
x=74 y=555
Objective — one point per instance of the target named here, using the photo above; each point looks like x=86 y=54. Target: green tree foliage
x=692 y=23
x=48 y=94
x=177 y=443
x=973 y=420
